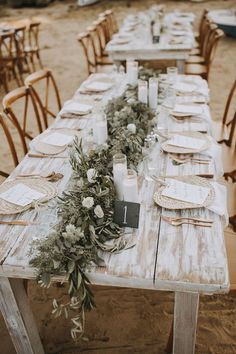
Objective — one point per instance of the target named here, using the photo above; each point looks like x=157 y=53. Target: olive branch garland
x=85 y=226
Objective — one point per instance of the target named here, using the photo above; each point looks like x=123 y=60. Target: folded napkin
x=187 y=109
x=97 y=86
x=219 y=204
x=72 y=108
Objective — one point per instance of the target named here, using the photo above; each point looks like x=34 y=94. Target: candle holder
x=119 y=173
x=132 y=72
x=100 y=133
x=172 y=73
x=142 y=91
x=130 y=187
x=153 y=93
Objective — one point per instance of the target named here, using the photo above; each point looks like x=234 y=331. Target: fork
x=169 y=218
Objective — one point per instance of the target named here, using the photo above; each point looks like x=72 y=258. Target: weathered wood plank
x=18 y=317
x=185 y=322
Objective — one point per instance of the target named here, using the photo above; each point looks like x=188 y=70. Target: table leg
x=185 y=322
x=17 y=314
x=181 y=66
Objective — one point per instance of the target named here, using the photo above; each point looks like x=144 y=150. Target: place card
x=187 y=109
x=57 y=139
x=187 y=142
x=126 y=214
x=22 y=195
x=190 y=193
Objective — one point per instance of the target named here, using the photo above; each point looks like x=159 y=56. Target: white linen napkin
x=219 y=204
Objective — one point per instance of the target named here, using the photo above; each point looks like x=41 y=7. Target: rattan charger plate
x=174 y=204
x=181 y=150
x=49 y=149
x=39 y=184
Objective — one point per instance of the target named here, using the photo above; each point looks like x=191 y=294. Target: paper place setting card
x=22 y=195
x=186 y=142
x=185 y=192
x=185 y=87
x=57 y=139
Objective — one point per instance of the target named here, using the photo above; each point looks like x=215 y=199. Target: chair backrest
x=22 y=101
x=7 y=42
x=101 y=33
x=33 y=34
x=231 y=99
x=111 y=20
x=209 y=27
x=202 y=25
x=44 y=88
x=214 y=37
x=86 y=41
x=20 y=36
x=106 y=28
x=11 y=143
x=96 y=44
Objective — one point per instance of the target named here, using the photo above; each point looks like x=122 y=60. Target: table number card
x=126 y=214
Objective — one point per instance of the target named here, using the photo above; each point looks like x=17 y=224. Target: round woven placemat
x=39 y=184
x=180 y=150
x=175 y=204
x=48 y=149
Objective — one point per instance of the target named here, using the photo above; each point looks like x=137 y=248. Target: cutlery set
x=178 y=221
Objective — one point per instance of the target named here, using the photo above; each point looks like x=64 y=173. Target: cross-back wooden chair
x=19 y=53
x=204 y=69
x=7 y=59
x=22 y=101
x=99 y=58
x=111 y=21
x=44 y=79
x=224 y=132
x=107 y=29
x=86 y=41
x=199 y=37
x=101 y=33
x=14 y=150
x=205 y=44
x=32 y=50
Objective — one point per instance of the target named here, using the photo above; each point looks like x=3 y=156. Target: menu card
x=58 y=139
x=184 y=87
x=185 y=192
x=22 y=195
x=187 y=142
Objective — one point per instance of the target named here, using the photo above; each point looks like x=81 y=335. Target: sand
x=126 y=320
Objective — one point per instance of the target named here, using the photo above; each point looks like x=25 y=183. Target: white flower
x=91 y=175
x=132 y=128
x=98 y=211
x=131 y=101
x=88 y=202
x=80 y=182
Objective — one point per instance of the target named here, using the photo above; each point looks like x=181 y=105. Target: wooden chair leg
x=169 y=346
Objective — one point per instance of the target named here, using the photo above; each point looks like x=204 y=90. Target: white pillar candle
x=142 y=91
x=100 y=131
x=153 y=93
x=119 y=173
x=132 y=72
x=130 y=187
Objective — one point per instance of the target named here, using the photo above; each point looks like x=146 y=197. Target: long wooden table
x=142 y=48
x=187 y=260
